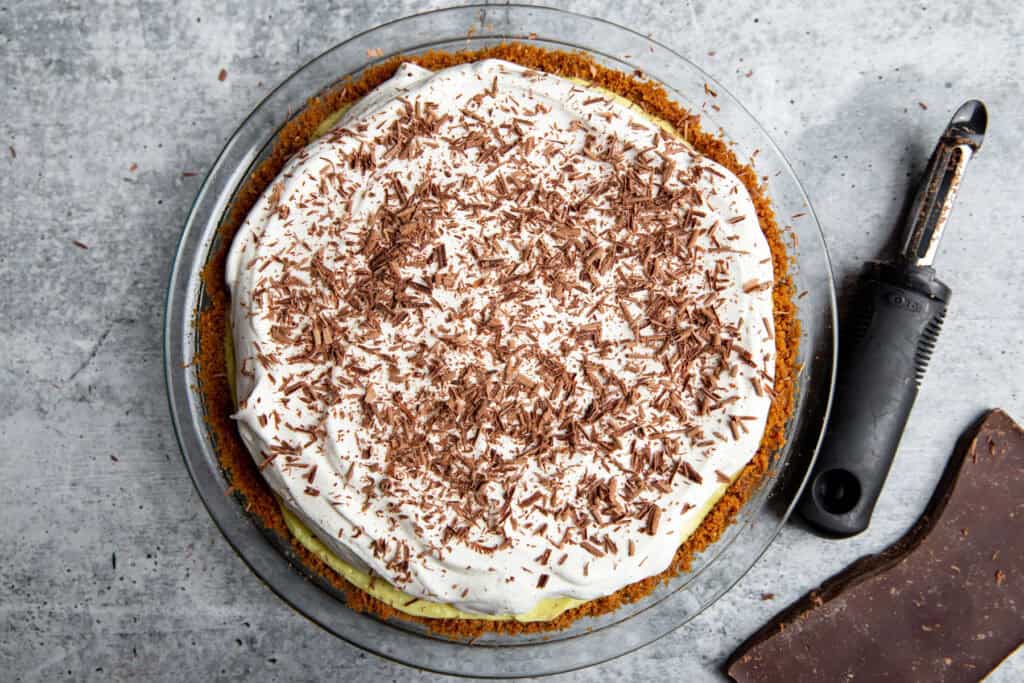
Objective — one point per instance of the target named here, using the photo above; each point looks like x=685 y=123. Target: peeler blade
x=934 y=201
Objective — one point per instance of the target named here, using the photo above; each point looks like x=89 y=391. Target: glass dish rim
x=171 y=331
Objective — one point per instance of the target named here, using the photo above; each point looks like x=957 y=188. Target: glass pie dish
x=589 y=640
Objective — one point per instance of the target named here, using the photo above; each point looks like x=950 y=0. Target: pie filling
x=502 y=341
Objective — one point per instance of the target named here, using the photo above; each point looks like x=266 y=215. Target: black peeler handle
x=899 y=318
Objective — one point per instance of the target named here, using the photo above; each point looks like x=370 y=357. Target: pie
x=498 y=339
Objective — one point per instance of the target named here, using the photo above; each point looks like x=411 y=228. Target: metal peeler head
x=934 y=201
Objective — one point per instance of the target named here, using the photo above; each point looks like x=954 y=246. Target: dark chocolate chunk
x=944 y=603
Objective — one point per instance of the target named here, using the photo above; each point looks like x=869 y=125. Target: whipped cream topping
x=499 y=337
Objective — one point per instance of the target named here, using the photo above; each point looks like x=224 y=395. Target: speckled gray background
x=112 y=568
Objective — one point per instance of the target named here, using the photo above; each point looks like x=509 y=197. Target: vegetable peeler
x=900 y=310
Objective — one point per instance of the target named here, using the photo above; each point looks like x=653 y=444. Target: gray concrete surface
x=112 y=569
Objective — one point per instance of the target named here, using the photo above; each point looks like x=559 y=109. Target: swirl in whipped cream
x=500 y=337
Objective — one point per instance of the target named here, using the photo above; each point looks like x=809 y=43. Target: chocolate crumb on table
x=942 y=604
x=211 y=322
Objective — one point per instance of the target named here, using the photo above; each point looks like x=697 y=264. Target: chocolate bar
x=944 y=603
